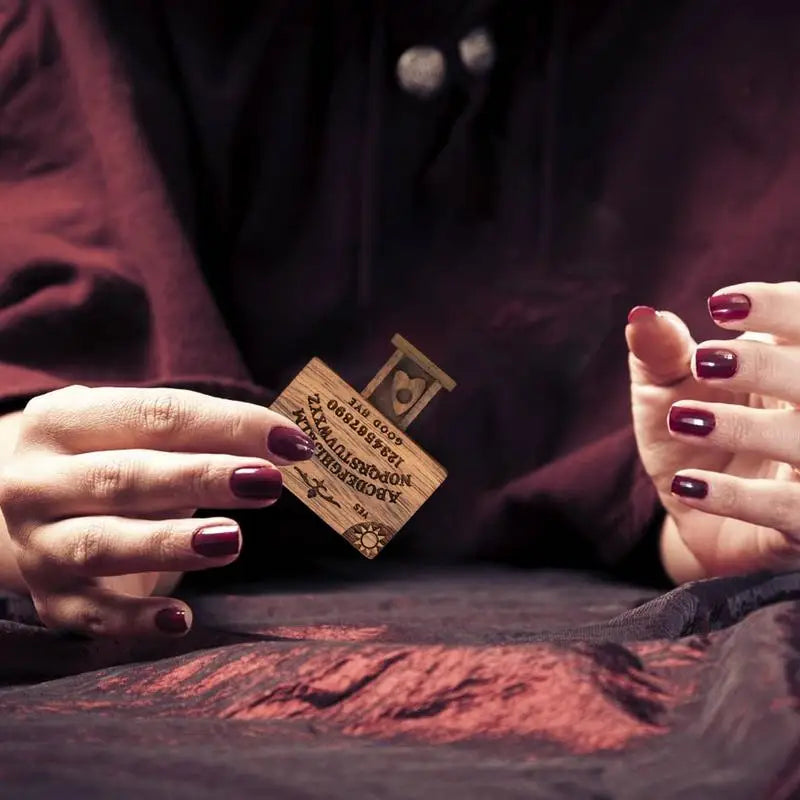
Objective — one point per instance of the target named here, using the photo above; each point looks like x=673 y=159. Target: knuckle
x=107 y=481
x=163 y=414
x=162 y=545
x=86 y=617
x=784 y=507
x=70 y=613
x=234 y=427
x=202 y=480
x=727 y=497
x=37 y=414
x=43 y=403
x=14 y=487
x=34 y=561
x=739 y=431
x=788 y=435
x=39 y=409
x=68 y=394
x=89 y=551
x=42 y=415
x=46 y=609
x=764 y=366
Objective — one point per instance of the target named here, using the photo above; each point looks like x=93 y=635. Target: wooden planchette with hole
x=367 y=477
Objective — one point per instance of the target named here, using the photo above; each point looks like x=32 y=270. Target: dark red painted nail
x=691 y=420
x=728 y=307
x=172 y=621
x=216 y=541
x=713 y=363
x=290 y=444
x=689 y=487
x=640 y=312
x=257 y=483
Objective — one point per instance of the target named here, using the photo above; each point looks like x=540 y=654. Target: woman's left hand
x=718 y=430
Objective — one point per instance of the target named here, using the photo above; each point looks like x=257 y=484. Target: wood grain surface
x=367 y=477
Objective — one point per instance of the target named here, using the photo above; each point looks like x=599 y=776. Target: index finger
x=84 y=420
x=757 y=306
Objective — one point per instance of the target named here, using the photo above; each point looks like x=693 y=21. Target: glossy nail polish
x=290 y=444
x=216 y=541
x=728 y=307
x=689 y=487
x=715 y=363
x=640 y=313
x=172 y=621
x=257 y=483
x=691 y=421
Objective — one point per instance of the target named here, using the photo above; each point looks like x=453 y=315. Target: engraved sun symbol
x=369 y=540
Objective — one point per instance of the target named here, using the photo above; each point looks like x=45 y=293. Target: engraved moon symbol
x=405 y=391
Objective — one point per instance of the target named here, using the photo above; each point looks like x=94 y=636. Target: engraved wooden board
x=367 y=477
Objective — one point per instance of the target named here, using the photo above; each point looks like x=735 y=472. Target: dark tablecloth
x=487 y=684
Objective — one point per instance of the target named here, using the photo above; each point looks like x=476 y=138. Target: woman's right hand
x=100 y=491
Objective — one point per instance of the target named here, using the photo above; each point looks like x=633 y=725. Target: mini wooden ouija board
x=367 y=477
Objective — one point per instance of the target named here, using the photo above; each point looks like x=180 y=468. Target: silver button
x=477 y=51
x=421 y=71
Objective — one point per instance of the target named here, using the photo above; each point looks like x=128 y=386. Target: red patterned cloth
x=474 y=685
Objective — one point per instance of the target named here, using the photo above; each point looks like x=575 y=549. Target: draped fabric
x=490 y=683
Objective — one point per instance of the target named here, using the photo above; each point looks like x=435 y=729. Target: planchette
x=367 y=477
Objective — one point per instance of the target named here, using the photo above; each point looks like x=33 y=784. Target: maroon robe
x=206 y=194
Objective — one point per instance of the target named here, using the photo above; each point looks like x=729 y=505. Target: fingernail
x=640 y=312
x=172 y=621
x=216 y=541
x=257 y=483
x=689 y=487
x=290 y=444
x=728 y=307
x=691 y=421
x=712 y=363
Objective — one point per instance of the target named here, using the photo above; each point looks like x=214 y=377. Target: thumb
x=660 y=347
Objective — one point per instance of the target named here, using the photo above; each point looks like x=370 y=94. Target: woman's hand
x=100 y=491
x=719 y=431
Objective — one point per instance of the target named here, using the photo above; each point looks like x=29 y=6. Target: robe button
x=421 y=71
x=477 y=51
